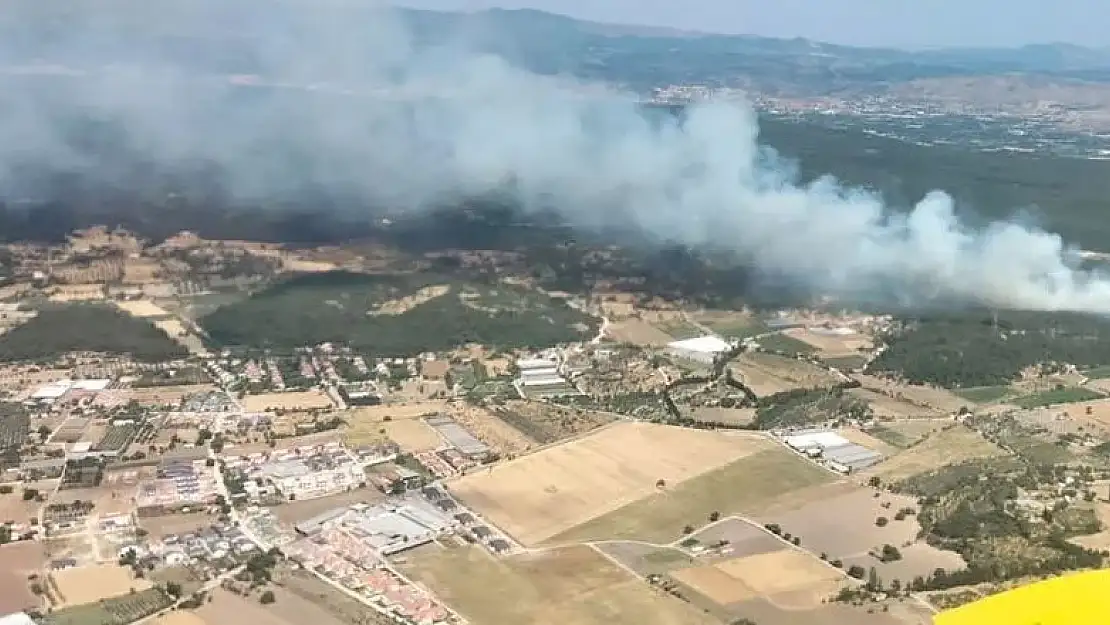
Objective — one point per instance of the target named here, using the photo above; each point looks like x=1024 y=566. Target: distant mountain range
x=642 y=57
x=634 y=56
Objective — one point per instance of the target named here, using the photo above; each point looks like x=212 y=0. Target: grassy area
x=743 y=486
x=736 y=326
x=576 y=585
x=788 y=345
x=891 y=437
x=1098 y=373
x=985 y=394
x=1057 y=396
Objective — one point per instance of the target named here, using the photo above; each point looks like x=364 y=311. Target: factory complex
x=832 y=449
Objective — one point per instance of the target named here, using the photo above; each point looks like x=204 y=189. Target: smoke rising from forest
x=421 y=123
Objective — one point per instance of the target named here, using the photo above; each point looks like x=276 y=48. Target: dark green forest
x=333 y=307
x=966 y=349
x=57 y=330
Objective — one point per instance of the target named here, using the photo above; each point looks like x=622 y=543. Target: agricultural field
x=885 y=407
x=294 y=512
x=287 y=609
x=296 y=400
x=730 y=324
x=745 y=486
x=951 y=446
x=548 y=423
x=89 y=584
x=800 y=581
x=907 y=432
x=1097 y=373
x=730 y=416
x=785 y=344
x=370 y=427
x=166 y=395
x=844 y=364
x=488 y=427
x=15 y=425
x=637 y=332
x=646 y=559
x=767 y=374
x=841 y=521
x=13 y=509
x=1056 y=396
x=986 y=394
x=116 y=437
x=571 y=586
x=547 y=493
x=830 y=344
x=679 y=328
x=18 y=562
x=119 y=610
x=931 y=397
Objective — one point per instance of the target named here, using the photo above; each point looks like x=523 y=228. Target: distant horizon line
x=679 y=32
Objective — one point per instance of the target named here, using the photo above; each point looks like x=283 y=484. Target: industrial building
x=310 y=472
x=180 y=485
x=702 y=349
x=457 y=437
x=837 y=452
x=386 y=528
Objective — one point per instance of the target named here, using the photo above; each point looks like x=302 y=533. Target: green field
x=846 y=363
x=59 y=329
x=784 y=344
x=1098 y=373
x=745 y=486
x=680 y=329
x=114 y=611
x=1056 y=396
x=985 y=394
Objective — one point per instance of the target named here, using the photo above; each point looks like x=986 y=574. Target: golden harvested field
x=553 y=490
x=729 y=323
x=860 y=437
x=13 y=509
x=800 y=581
x=287 y=609
x=297 y=400
x=571 y=586
x=906 y=432
x=166 y=395
x=488 y=427
x=768 y=374
x=141 y=308
x=87 y=584
x=746 y=486
x=951 y=446
x=732 y=416
x=891 y=408
x=638 y=332
x=832 y=345
x=396 y=412
x=1099 y=410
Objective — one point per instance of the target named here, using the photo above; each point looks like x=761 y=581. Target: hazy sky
x=902 y=23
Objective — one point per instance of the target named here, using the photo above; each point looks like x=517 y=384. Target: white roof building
x=816 y=440
x=16 y=618
x=52 y=391
x=708 y=344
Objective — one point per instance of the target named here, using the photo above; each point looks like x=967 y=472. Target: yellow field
x=141 y=308
x=638 y=332
x=832 y=345
x=891 y=408
x=543 y=494
x=397 y=411
x=800 y=581
x=298 y=400
x=1069 y=600
x=953 y=446
x=179 y=617
x=87 y=584
x=572 y=586
x=412 y=434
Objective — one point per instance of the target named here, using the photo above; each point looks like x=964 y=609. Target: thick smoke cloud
x=412 y=124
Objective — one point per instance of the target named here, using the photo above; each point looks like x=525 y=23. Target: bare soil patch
x=923 y=396
x=638 y=332
x=553 y=490
x=743 y=538
x=17 y=562
x=832 y=345
x=166 y=395
x=411 y=433
x=141 y=308
x=730 y=416
x=87 y=584
x=548 y=423
x=797 y=373
x=14 y=510
x=297 y=400
x=287 y=609
x=886 y=407
x=492 y=430
x=572 y=586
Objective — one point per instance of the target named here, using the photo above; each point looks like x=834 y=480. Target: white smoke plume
x=419 y=124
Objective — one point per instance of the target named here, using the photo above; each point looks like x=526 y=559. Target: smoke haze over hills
x=394 y=121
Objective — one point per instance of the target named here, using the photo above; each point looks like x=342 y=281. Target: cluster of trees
x=333 y=307
x=800 y=407
x=962 y=512
x=981 y=348
x=58 y=330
